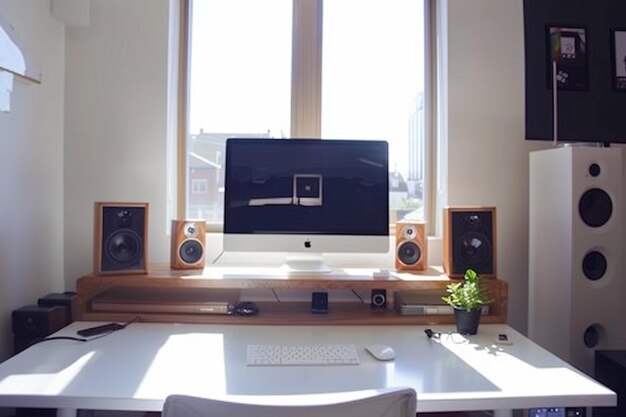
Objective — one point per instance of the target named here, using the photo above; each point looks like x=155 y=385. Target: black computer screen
x=312 y=186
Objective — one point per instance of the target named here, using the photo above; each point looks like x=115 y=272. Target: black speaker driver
x=409 y=252
x=474 y=249
x=378 y=299
x=594 y=170
x=124 y=217
x=191 y=251
x=591 y=337
x=472 y=221
x=124 y=247
x=594 y=265
x=595 y=207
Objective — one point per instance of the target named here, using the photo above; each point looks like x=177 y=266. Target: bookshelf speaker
x=469 y=241
x=411 y=251
x=121 y=236
x=188 y=243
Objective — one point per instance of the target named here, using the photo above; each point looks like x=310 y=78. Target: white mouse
x=381 y=352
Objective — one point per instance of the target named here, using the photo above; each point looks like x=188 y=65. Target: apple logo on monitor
x=307 y=243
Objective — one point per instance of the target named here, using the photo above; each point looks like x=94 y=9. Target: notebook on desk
x=166 y=300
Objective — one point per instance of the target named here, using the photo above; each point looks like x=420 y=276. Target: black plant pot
x=467 y=321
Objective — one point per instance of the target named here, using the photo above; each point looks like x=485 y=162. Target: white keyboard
x=315 y=354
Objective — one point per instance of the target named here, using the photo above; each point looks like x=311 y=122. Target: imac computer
x=306 y=197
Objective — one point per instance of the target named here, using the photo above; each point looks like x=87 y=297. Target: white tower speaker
x=575 y=252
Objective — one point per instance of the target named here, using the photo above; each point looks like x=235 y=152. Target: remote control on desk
x=98 y=330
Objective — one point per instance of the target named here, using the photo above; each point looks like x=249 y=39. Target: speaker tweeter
x=121 y=236
x=188 y=244
x=411 y=246
x=378 y=299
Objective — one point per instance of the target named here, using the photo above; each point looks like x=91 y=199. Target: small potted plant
x=467 y=297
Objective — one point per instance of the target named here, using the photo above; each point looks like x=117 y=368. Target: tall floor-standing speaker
x=469 y=240
x=121 y=238
x=576 y=210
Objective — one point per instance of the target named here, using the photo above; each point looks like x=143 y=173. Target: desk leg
x=66 y=412
x=502 y=413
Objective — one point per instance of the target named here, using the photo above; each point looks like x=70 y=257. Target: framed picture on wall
x=568 y=48
x=618 y=40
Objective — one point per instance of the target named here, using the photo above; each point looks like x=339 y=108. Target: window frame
x=306 y=96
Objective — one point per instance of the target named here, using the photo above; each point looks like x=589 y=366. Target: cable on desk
x=134 y=319
x=358 y=296
x=45 y=339
x=217 y=258
x=81 y=339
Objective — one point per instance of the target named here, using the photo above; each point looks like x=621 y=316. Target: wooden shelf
x=284 y=312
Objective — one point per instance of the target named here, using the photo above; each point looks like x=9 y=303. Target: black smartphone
x=98 y=330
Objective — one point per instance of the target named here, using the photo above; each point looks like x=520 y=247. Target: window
x=335 y=69
x=199 y=185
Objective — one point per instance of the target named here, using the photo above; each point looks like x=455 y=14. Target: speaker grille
x=469 y=240
x=120 y=237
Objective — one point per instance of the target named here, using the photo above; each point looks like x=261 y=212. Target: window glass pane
x=239 y=85
x=373 y=87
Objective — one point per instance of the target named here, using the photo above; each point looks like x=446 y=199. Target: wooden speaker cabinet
x=411 y=246
x=121 y=238
x=469 y=240
x=187 y=250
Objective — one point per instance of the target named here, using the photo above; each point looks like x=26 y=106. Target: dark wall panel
x=595 y=113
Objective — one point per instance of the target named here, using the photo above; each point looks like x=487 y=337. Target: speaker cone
x=594 y=265
x=595 y=207
x=474 y=249
x=124 y=247
x=591 y=337
x=409 y=252
x=191 y=251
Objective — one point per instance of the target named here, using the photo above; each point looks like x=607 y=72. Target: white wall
x=116 y=122
x=488 y=156
x=31 y=169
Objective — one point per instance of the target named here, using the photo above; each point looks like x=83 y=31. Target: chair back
x=384 y=402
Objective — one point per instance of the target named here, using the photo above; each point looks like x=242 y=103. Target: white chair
x=385 y=402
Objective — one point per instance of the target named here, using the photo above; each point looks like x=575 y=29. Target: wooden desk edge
x=90 y=286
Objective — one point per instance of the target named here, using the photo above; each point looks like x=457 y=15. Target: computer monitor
x=306 y=197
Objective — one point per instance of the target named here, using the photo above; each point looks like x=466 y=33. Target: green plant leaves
x=467 y=294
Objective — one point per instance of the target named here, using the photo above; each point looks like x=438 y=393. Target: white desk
x=136 y=368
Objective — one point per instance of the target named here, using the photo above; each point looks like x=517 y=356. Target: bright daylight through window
x=240 y=74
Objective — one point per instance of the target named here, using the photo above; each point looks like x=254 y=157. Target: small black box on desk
x=38 y=321
x=66 y=299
